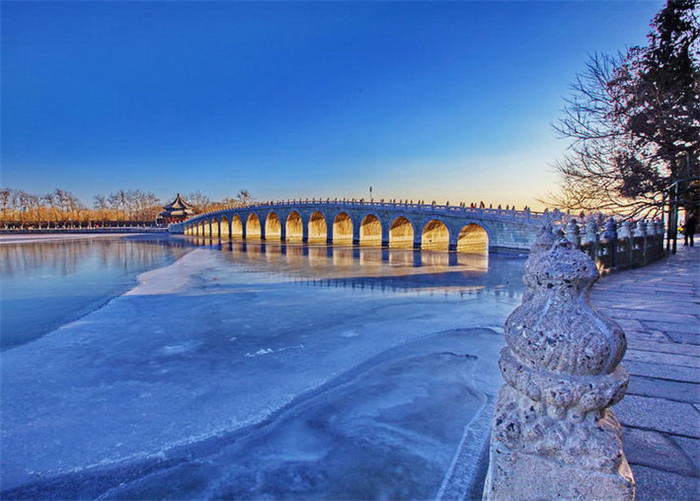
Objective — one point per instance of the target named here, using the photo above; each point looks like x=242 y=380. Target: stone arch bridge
x=409 y=225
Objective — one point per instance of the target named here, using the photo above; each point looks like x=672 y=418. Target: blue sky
x=432 y=100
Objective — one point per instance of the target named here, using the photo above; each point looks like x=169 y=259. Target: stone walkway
x=658 y=306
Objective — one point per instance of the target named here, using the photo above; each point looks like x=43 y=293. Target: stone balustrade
x=616 y=245
x=461 y=208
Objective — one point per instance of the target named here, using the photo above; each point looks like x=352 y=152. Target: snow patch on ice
x=267 y=351
x=175 y=277
x=179 y=348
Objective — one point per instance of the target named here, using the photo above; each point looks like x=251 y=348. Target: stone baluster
x=626 y=241
x=554 y=435
x=640 y=234
x=651 y=227
x=573 y=233
x=652 y=239
x=544 y=241
x=660 y=229
x=590 y=240
x=625 y=231
x=640 y=229
x=609 y=244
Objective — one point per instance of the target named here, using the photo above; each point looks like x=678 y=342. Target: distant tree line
x=62 y=207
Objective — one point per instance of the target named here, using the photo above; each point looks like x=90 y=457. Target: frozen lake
x=252 y=371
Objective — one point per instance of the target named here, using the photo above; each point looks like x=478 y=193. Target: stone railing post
x=590 y=240
x=626 y=241
x=640 y=234
x=573 y=233
x=651 y=232
x=660 y=230
x=609 y=243
x=553 y=433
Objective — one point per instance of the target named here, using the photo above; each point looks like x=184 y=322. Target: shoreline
x=48 y=235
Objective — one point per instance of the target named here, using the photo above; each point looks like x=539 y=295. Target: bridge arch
x=273 y=226
x=225 y=227
x=435 y=235
x=371 y=230
x=253 y=229
x=294 y=227
x=473 y=239
x=318 y=229
x=401 y=233
x=237 y=228
x=342 y=228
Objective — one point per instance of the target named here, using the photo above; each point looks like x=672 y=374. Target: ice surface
x=69 y=277
x=225 y=377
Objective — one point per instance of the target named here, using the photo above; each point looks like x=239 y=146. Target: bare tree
x=200 y=201
x=244 y=197
x=6 y=195
x=634 y=121
x=118 y=202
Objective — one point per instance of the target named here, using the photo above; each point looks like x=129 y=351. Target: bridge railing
x=421 y=205
x=614 y=244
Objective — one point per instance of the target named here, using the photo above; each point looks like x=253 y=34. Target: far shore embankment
x=25 y=236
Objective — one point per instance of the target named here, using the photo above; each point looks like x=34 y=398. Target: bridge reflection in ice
x=376 y=268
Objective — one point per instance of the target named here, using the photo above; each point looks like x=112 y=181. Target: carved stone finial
x=625 y=232
x=573 y=233
x=660 y=227
x=640 y=229
x=591 y=236
x=553 y=433
x=610 y=232
x=544 y=240
x=651 y=227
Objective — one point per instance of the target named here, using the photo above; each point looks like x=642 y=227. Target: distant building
x=176 y=211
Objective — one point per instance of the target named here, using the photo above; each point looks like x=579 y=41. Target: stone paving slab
x=659 y=485
x=660 y=414
x=678 y=347
x=661 y=358
x=664 y=372
x=656 y=450
x=670 y=390
x=670 y=326
x=658 y=307
x=691 y=448
x=646 y=315
x=684 y=337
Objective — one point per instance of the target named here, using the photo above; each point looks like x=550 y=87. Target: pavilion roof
x=178 y=203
